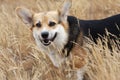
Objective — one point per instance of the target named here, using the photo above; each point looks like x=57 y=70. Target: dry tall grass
x=17 y=45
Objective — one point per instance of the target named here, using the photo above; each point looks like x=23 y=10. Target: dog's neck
x=74 y=33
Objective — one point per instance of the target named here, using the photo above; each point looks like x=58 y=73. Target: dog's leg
x=79 y=61
x=80 y=74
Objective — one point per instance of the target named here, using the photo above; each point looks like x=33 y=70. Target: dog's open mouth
x=47 y=41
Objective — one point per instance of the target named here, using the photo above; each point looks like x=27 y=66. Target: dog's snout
x=44 y=34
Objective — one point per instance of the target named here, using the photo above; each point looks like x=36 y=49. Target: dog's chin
x=47 y=41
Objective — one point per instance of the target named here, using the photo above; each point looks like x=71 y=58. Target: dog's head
x=47 y=27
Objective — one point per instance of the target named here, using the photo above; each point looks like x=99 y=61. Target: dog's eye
x=52 y=23
x=38 y=24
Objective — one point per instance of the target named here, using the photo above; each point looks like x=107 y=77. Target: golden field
x=17 y=45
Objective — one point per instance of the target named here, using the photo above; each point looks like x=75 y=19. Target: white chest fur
x=54 y=53
x=56 y=58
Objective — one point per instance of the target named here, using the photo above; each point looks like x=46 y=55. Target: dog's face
x=47 y=27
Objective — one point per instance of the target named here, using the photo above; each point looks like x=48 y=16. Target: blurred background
x=17 y=45
x=84 y=9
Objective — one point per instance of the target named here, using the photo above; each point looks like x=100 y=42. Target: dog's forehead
x=50 y=15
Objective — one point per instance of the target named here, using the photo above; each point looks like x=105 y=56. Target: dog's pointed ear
x=64 y=11
x=26 y=15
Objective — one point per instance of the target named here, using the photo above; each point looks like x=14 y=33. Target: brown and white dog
x=55 y=35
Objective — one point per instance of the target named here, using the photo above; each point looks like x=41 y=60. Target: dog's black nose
x=44 y=34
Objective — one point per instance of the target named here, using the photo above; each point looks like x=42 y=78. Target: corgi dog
x=55 y=36
x=60 y=36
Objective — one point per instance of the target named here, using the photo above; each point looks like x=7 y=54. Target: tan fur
x=79 y=56
x=44 y=19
